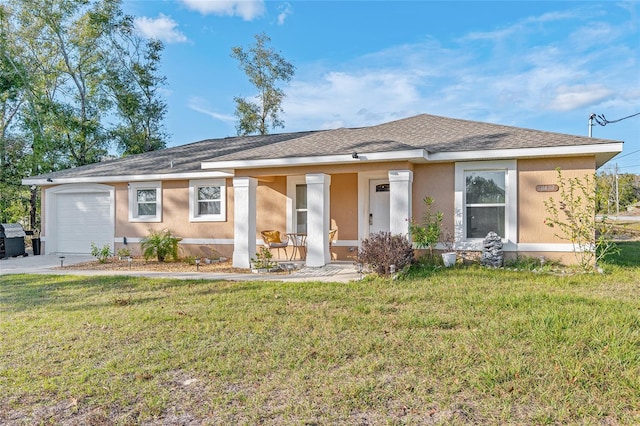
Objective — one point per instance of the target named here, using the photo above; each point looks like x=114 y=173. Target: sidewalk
x=50 y=264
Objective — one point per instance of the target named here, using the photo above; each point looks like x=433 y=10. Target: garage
x=78 y=216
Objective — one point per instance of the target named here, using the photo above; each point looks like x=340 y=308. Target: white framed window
x=297 y=204
x=486 y=200
x=207 y=200
x=145 y=202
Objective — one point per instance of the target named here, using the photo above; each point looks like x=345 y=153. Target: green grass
x=451 y=346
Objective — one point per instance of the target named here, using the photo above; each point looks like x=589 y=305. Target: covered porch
x=354 y=204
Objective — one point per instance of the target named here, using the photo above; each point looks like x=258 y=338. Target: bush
x=161 y=244
x=381 y=250
x=101 y=253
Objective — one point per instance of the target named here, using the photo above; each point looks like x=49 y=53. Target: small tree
x=574 y=217
x=161 y=244
x=427 y=233
x=264 y=67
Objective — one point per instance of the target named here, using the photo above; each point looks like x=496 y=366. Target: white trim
x=133 y=201
x=555 y=151
x=292 y=181
x=193 y=200
x=50 y=195
x=131 y=178
x=557 y=247
x=217 y=241
x=511 y=199
x=416 y=155
x=603 y=152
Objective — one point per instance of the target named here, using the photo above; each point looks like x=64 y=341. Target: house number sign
x=547 y=188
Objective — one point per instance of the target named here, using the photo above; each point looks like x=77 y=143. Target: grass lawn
x=452 y=346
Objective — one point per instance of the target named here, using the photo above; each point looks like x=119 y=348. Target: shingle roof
x=431 y=133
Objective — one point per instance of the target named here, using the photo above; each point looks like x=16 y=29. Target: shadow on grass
x=629 y=254
x=69 y=292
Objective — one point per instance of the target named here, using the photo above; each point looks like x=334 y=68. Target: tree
x=264 y=67
x=74 y=77
x=616 y=191
x=134 y=82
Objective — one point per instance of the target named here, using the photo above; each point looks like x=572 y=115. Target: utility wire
x=602 y=120
x=626 y=155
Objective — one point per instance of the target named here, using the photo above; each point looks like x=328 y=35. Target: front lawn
x=455 y=346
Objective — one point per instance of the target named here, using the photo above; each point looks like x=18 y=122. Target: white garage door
x=83 y=218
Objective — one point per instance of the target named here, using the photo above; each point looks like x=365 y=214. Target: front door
x=379 y=206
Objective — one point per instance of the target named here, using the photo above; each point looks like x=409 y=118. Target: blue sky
x=534 y=64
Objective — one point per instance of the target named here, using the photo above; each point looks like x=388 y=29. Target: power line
x=626 y=155
x=602 y=120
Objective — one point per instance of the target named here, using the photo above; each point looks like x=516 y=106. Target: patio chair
x=273 y=240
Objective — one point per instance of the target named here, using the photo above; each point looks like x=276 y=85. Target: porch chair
x=273 y=240
x=332 y=234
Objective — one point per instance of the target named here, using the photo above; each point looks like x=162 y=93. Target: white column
x=244 y=216
x=318 y=220
x=400 y=197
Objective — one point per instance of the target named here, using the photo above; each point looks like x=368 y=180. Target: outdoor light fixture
x=62 y=261
x=197 y=264
x=354 y=155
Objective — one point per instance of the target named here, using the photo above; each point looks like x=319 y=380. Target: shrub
x=574 y=218
x=264 y=259
x=101 y=253
x=161 y=244
x=381 y=250
x=427 y=233
x=123 y=253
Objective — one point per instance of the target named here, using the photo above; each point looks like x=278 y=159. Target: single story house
x=220 y=193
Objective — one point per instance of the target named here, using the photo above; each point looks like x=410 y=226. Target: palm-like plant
x=161 y=244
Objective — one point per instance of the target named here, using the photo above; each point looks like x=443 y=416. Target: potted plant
x=449 y=256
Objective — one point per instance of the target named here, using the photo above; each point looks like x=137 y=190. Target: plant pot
x=449 y=259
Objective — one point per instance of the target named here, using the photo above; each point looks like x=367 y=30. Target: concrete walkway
x=50 y=264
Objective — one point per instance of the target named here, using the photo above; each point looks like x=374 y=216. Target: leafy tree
x=74 y=77
x=625 y=193
x=134 y=82
x=264 y=67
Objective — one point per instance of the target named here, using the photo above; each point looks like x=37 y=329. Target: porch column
x=244 y=216
x=400 y=197
x=318 y=220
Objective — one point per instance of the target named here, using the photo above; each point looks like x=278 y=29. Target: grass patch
x=628 y=254
x=459 y=345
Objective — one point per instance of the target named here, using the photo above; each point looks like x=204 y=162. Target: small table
x=299 y=242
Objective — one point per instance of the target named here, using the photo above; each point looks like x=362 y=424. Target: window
x=486 y=200
x=301 y=209
x=145 y=202
x=485 y=203
x=207 y=200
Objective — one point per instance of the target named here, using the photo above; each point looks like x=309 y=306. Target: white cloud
x=285 y=10
x=163 y=28
x=202 y=106
x=246 y=9
x=568 y=98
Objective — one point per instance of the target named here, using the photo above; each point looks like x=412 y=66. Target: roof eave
x=413 y=155
x=43 y=181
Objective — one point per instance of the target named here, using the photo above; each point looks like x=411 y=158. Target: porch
x=308 y=204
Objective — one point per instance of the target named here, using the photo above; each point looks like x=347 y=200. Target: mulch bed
x=140 y=264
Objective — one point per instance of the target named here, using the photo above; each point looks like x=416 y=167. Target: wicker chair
x=273 y=240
